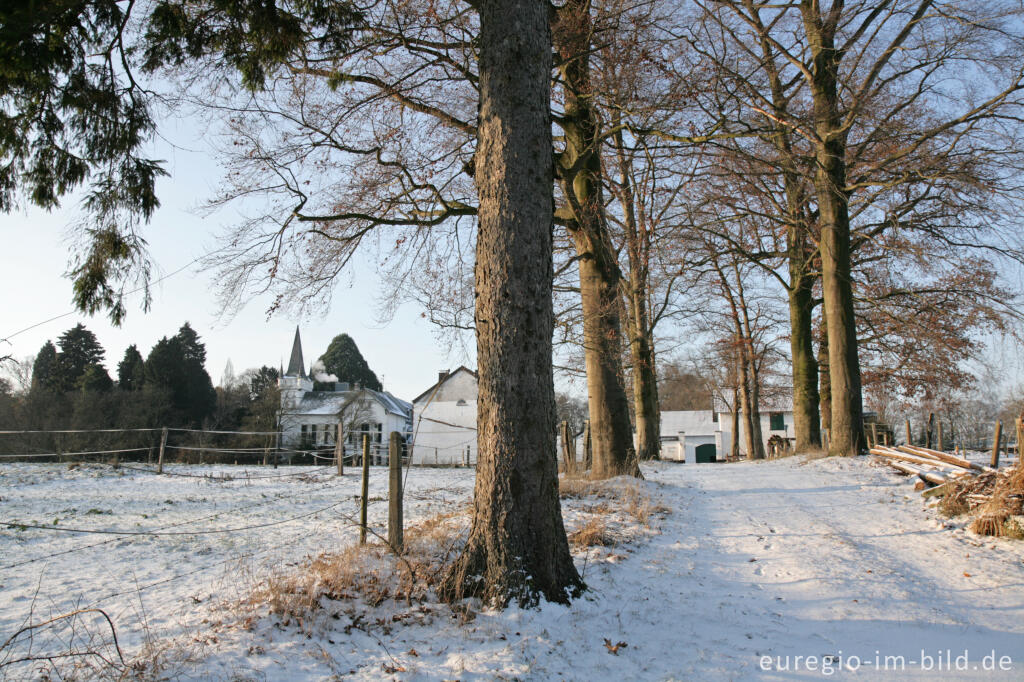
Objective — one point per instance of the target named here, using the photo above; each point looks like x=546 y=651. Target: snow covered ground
x=756 y=564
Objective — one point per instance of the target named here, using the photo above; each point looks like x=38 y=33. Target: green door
x=705 y=453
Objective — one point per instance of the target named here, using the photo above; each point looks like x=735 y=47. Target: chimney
x=442 y=375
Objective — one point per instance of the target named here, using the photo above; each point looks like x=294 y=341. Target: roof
x=690 y=422
x=462 y=368
x=295 y=365
x=332 y=402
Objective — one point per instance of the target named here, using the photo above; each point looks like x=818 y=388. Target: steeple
x=295 y=364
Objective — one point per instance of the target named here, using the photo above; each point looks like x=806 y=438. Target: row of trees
x=861 y=155
x=66 y=386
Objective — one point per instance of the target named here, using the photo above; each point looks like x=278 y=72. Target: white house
x=776 y=420
x=706 y=435
x=309 y=419
x=444 y=420
x=690 y=436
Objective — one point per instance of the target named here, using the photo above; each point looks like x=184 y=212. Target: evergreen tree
x=131 y=371
x=176 y=364
x=44 y=369
x=79 y=349
x=343 y=360
x=263 y=380
x=94 y=379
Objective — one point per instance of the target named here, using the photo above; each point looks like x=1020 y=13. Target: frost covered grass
x=698 y=572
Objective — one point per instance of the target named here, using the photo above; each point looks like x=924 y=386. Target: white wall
x=443 y=431
x=725 y=437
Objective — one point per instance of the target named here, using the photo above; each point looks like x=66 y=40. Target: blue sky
x=404 y=353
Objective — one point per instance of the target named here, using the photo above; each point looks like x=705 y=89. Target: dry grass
x=995 y=498
x=362 y=575
x=593 y=533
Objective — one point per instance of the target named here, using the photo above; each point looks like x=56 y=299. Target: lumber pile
x=934 y=467
x=994 y=497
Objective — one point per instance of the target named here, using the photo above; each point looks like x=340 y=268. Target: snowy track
x=833 y=561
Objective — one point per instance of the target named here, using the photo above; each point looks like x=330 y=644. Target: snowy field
x=784 y=569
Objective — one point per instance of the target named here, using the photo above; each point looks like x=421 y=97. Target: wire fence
x=104 y=539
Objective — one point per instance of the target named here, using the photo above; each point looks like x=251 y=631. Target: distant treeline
x=69 y=389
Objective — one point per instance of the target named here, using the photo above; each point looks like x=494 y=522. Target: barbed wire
x=326 y=483
x=214 y=531
x=74 y=454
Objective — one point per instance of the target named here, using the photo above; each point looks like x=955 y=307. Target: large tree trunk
x=580 y=173
x=806 y=419
x=833 y=209
x=824 y=387
x=517 y=547
x=641 y=334
x=734 y=447
x=645 y=381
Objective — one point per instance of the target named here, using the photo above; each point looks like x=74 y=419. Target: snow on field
x=834 y=561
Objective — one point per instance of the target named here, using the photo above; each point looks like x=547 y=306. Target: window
x=778 y=422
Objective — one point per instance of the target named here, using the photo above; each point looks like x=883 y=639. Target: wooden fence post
x=996 y=437
x=588 y=454
x=339 y=451
x=395 y=535
x=910 y=437
x=939 y=440
x=874 y=434
x=365 y=490
x=570 y=465
x=1020 y=432
x=160 y=457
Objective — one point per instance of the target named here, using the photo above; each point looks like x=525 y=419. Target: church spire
x=295 y=364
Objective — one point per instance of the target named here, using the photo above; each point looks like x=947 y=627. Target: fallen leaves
x=614 y=648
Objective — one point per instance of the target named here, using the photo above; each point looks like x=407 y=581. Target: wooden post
x=996 y=437
x=339 y=451
x=160 y=457
x=200 y=447
x=885 y=437
x=570 y=465
x=149 y=457
x=395 y=535
x=910 y=438
x=467 y=455
x=929 y=434
x=365 y=490
x=588 y=453
x=874 y=434
x=1020 y=431
x=571 y=445
x=940 y=442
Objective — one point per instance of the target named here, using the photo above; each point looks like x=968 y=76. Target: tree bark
x=846 y=434
x=824 y=386
x=580 y=174
x=517 y=548
x=806 y=418
x=641 y=331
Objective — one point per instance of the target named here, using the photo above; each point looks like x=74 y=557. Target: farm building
x=706 y=435
x=444 y=420
x=309 y=418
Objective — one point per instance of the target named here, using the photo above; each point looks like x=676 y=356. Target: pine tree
x=94 y=379
x=79 y=349
x=44 y=369
x=131 y=371
x=177 y=364
x=343 y=360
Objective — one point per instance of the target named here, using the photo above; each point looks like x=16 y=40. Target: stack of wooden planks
x=934 y=467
